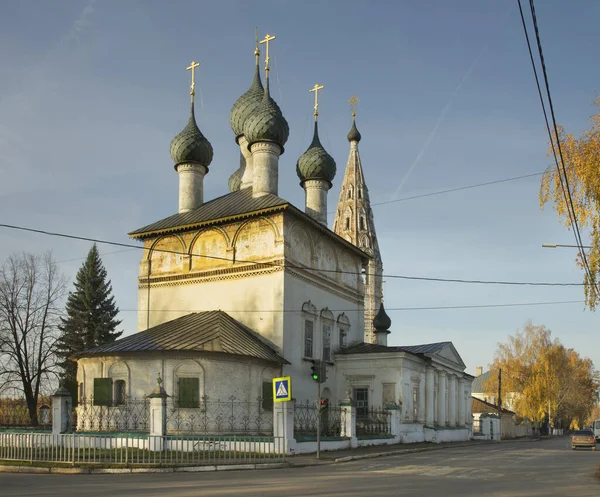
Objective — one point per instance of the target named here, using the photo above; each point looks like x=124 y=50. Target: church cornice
x=325 y=284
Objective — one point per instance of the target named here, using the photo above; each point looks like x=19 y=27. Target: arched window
x=120 y=390
x=350 y=192
x=344 y=327
x=347 y=223
x=362 y=223
x=359 y=193
x=309 y=312
x=327 y=322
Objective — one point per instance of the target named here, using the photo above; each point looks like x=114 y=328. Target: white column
x=316 y=199
x=265 y=168
x=452 y=400
x=462 y=402
x=283 y=427
x=61 y=411
x=429 y=386
x=441 y=398
x=191 y=186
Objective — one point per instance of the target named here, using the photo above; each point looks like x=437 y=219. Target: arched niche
x=209 y=249
x=301 y=245
x=326 y=258
x=255 y=239
x=166 y=255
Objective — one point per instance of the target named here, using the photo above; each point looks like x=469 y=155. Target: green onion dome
x=382 y=321
x=246 y=105
x=190 y=145
x=266 y=123
x=316 y=163
x=354 y=135
x=235 y=181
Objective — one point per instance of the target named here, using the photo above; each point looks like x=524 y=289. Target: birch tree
x=31 y=291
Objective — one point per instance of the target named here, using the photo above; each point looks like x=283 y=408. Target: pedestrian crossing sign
x=282 y=389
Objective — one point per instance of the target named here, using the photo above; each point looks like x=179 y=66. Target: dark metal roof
x=481 y=406
x=233 y=204
x=373 y=348
x=479 y=382
x=209 y=331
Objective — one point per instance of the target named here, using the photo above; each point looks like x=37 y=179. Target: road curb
x=396 y=452
x=112 y=471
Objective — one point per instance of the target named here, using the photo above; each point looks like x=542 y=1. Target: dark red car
x=583 y=438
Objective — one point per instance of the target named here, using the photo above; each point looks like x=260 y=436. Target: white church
x=272 y=288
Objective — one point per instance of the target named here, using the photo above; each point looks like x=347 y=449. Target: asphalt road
x=527 y=469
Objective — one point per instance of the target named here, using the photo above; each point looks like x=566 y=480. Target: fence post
x=348 y=407
x=61 y=411
x=283 y=426
x=395 y=419
x=158 y=417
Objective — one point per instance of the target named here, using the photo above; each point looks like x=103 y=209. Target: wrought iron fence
x=14 y=413
x=229 y=416
x=374 y=421
x=132 y=415
x=141 y=450
x=306 y=415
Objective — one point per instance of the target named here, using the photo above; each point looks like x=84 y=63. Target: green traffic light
x=315 y=377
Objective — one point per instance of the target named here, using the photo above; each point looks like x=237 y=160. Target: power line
x=563 y=183
x=291 y=266
x=428 y=308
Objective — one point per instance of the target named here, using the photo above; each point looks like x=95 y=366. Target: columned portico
x=452 y=400
x=462 y=402
x=442 y=398
x=429 y=387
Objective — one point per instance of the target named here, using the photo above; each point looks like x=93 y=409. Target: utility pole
x=500 y=393
x=319 y=419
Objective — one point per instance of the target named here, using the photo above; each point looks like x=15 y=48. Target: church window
x=359 y=193
x=189 y=392
x=415 y=399
x=362 y=223
x=119 y=392
x=361 y=397
x=343 y=338
x=102 y=391
x=347 y=223
x=267 y=396
x=350 y=192
x=308 y=338
x=326 y=342
x=81 y=393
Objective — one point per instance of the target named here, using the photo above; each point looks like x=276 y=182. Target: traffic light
x=316 y=371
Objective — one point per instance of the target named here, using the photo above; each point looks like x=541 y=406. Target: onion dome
x=382 y=321
x=190 y=145
x=266 y=123
x=246 y=104
x=354 y=135
x=235 y=180
x=316 y=163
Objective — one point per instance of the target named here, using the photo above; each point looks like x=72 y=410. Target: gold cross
x=316 y=89
x=193 y=66
x=267 y=39
x=353 y=101
x=256 y=50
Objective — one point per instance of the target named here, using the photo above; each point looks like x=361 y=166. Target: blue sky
x=93 y=92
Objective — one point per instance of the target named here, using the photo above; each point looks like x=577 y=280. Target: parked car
x=583 y=438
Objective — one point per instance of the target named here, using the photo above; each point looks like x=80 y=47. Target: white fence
x=139 y=450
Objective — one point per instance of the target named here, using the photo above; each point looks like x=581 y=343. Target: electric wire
x=262 y=264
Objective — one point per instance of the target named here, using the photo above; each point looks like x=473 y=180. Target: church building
x=236 y=290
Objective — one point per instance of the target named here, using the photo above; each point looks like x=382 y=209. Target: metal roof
x=373 y=348
x=481 y=406
x=479 y=382
x=209 y=331
x=240 y=203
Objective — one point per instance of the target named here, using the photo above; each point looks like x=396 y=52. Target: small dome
x=382 y=321
x=235 y=181
x=266 y=123
x=246 y=104
x=316 y=163
x=190 y=145
x=354 y=135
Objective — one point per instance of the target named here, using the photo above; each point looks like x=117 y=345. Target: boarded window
x=102 y=391
x=326 y=342
x=189 y=392
x=308 y=338
x=389 y=396
x=119 y=392
x=267 y=395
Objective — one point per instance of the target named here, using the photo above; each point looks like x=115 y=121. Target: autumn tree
x=31 y=291
x=547 y=380
x=581 y=159
x=91 y=316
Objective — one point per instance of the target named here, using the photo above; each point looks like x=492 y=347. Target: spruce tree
x=91 y=316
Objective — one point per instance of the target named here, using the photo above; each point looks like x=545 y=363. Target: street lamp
x=556 y=245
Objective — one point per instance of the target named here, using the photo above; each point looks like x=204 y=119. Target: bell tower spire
x=354 y=221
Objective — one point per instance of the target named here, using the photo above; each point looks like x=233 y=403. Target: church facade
x=239 y=289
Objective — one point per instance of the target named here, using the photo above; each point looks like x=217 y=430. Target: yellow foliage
x=582 y=163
